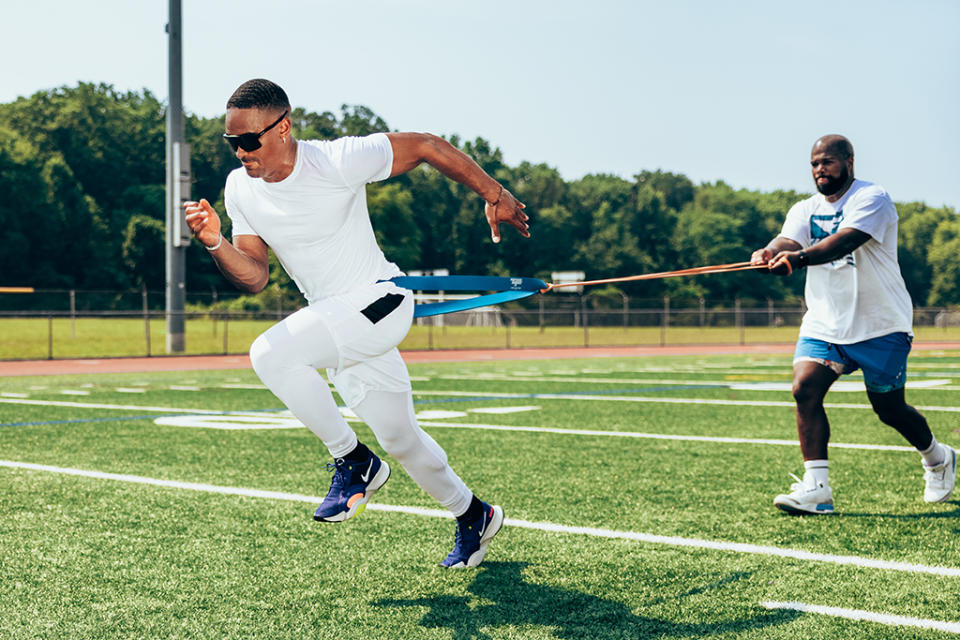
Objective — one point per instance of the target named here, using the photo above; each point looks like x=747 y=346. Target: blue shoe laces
x=339 y=473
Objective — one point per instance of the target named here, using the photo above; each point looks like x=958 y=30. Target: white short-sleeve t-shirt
x=316 y=219
x=861 y=295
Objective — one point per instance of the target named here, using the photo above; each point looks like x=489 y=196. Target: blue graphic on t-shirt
x=824 y=226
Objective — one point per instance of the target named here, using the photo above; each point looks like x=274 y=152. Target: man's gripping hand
x=761 y=256
x=781 y=257
x=203 y=222
x=506 y=209
x=786 y=262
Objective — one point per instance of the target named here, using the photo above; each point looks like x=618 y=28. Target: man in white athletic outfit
x=306 y=200
x=859 y=316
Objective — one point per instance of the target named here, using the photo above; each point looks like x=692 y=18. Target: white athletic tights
x=287 y=356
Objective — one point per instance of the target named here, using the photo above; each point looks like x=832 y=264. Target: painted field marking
x=675 y=541
x=130 y=390
x=97 y=405
x=658 y=400
x=428 y=419
x=251 y=387
x=841 y=386
x=869 y=616
x=74 y=392
x=10 y=394
x=439 y=414
x=658 y=436
x=201 y=418
x=139 y=408
x=230 y=422
x=502 y=410
x=176 y=387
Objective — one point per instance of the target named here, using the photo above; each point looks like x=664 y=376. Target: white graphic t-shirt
x=861 y=295
x=316 y=219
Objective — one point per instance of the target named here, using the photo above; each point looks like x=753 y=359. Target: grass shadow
x=500 y=596
x=924 y=515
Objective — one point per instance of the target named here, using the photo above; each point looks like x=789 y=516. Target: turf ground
x=638 y=496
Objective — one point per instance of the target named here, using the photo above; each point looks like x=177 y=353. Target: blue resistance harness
x=506 y=289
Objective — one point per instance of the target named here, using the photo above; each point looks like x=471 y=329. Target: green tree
x=357 y=120
x=917 y=225
x=394 y=224
x=24 y=217
x=943 y=252
x=143 y=251
x=677 y=189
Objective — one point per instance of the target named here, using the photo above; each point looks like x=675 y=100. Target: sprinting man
x=306 y=200
x=859 y=316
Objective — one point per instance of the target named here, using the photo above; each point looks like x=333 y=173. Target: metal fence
x=67 y=324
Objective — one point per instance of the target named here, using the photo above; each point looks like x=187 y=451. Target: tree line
x=82 y=173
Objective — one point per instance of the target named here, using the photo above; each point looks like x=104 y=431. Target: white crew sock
x=817 y=473
x=934 y=454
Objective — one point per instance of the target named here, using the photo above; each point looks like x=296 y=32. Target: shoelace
x=935 y=473
x=798 y=485
x=339 y=473
x=457 y=539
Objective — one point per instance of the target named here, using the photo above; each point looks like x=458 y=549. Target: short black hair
x=835 y=144
x=259 y=94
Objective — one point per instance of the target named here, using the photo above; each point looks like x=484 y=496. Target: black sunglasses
x=249 y=141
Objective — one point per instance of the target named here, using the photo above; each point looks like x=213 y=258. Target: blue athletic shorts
x=883 y=359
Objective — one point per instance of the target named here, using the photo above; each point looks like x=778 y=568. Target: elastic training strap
x=468 y=283
x=450 y=306
x=517 y=288
x=507 y=289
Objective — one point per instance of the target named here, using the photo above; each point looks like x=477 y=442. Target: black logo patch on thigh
x=380 y=309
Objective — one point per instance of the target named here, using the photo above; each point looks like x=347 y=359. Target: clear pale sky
x=717 y=90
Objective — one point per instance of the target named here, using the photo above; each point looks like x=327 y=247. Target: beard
x=833 y=185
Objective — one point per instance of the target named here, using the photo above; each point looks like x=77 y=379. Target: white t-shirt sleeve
x=361 y=160
x=797 y=225
x=240 y=225
x=870 y=211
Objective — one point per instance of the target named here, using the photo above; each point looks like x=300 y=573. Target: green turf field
x=637 y=491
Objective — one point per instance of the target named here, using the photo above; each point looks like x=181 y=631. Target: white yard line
x=674 y=541
x=231 y=422
x=500 y=410
x=869 y=616
x=656 y=400
x=240 y=420
x=121 y=407
x=850 y=386
x=656 y=436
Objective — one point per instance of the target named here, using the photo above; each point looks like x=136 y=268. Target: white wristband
x=216 y=246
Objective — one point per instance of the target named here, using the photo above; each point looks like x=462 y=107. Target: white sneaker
x=941 y=478
x=805 y=498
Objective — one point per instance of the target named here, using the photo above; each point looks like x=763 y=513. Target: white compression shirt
x=862 y=295
x=316 y=219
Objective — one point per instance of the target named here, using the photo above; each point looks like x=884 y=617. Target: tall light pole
x=178 y=187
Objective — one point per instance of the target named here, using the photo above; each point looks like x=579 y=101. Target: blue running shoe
x=352 y=485
x=472 y=539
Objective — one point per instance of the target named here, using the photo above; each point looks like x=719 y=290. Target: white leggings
x=286 y=358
